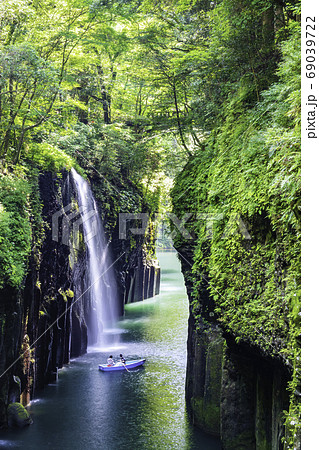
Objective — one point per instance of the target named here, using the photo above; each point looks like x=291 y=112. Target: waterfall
x=102 y=290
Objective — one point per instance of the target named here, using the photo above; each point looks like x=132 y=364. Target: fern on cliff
x=250 y=189
x=15 y=227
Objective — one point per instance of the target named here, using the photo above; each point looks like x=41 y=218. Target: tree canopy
x=140 y=89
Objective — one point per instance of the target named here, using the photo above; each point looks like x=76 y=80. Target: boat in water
x=121 y=366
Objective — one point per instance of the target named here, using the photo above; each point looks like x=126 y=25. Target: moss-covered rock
x=233 y=392
x=54 y=275
x=242 y=265
x=18 y=416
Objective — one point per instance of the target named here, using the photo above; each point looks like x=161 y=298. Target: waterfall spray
x=103 y=292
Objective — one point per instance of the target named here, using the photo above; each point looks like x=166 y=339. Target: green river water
x=144 y=409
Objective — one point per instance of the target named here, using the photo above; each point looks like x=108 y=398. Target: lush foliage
x=243 y=191
x=131 y=91
x=15 y=227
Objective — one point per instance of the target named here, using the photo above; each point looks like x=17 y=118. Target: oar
x=126 y=368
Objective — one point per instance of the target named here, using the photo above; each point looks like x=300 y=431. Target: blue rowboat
x=120 y=366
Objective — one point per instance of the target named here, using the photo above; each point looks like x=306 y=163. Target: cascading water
x=102 y=289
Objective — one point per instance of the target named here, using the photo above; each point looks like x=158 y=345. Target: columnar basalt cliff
x=138 y=272
x=46 y=330
x=36 y=308
x=46 y=322
x=136 y=267
x=234 y=391
x=240 y=194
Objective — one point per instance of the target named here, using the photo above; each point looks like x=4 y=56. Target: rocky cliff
x=40 y=328
x=45 y=322
x=238 y=201
x=234 y=391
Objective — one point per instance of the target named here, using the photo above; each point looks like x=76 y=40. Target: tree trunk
x=6 y=141
x=105 y=95
x=279 y=20
x=178 y=119
x=83 y=114
x=268 y=32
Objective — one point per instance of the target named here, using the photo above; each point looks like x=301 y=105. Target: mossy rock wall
x=41 y=308
x=233 y=392
x=37 y=309
x=11 y=324
x=204 y=378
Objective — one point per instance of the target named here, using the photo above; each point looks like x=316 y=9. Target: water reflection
x=142 y=409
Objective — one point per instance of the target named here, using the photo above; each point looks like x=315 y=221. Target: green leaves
x=15 y=228
x=48 y=157
x=250 y=168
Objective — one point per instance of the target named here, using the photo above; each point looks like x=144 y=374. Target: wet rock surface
x=44 y=310
x=232 y=390
x=18 y=416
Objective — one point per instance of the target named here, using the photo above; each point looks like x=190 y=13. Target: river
x=140 y=410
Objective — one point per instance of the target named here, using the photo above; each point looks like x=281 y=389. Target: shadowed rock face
x=142 y=281
x=40 y=306
x=11 y=324
x=232 y=390
x=42 y=309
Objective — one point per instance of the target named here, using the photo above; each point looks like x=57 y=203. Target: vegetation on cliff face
x=15 y=229
x=243 y=191
x=60 y=108
x=131 y=91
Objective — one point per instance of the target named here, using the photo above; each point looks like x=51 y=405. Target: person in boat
x=110 y=361
x=122 y=359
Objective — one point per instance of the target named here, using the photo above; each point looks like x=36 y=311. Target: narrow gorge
x=133 y=132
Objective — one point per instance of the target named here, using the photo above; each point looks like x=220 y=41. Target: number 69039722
x=310 y=50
